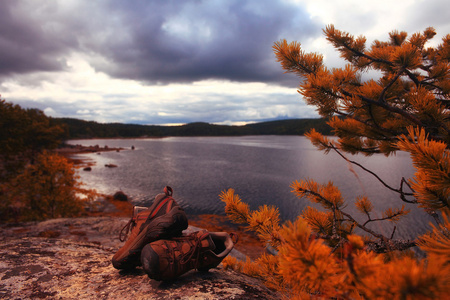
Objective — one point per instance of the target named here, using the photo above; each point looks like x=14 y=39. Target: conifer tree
x=35 y=184
x=328 y=253
x=24 y=133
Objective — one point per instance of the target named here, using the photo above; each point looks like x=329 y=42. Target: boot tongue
x=207 y=242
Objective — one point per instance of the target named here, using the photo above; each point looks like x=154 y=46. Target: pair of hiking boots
x=156 y=242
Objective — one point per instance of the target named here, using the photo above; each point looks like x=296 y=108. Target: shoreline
x=80 y=149
x=248 y=244
x=69 y=151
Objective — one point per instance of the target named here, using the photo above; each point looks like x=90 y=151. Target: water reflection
x=260 y=169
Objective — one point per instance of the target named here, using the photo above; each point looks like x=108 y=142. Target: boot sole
x=150 y=262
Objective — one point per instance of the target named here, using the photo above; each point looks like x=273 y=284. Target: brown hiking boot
x=201 y=250
x=164 y=219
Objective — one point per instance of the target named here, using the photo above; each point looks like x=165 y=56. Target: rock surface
x=71 y=259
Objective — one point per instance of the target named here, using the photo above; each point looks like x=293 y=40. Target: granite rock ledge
x=71 y=259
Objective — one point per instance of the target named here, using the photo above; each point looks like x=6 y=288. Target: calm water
x=259 y=168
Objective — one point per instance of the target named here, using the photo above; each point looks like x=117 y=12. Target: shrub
x=48 y=188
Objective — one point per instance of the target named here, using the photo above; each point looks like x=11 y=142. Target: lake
x=259 y=168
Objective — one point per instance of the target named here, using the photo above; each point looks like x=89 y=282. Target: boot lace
x=127 y=228
x=194 y=241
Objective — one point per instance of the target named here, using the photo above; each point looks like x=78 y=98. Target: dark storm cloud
x=152 y=41
x=194 y=40
x=22 y=46
x=35 y=36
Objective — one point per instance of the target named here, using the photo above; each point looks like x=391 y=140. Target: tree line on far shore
x=80 y=129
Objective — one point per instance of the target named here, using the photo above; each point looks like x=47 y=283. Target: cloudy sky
x=171 y=62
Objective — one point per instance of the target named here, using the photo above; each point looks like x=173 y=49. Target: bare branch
x=393 y=232
x=403 y=194
x=334 y=230
x=400 y=191
x=384 y=218
x=383 y=247
x=435 y=216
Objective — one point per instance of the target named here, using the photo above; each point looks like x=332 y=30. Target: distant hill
x=79 y=129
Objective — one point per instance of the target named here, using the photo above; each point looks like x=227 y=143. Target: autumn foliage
x=47 y=189
x=327 y=253
x=35 y=184
x=24 y=133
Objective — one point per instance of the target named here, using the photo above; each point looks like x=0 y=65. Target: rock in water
x=119 y=195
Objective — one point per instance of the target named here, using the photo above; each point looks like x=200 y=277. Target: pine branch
x=439 y=197
x=341 y=241
x=374 y=126
x=356 y=52
x=330 y=203
x=387 y=107
x=393 y=109
x=384 y=244
x=372 y=117
x=293 y=59
x=383 y=92
x=412 y=77
x=379 y=103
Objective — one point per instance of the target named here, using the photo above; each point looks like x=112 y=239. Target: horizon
x=193 y=122
x=162 y=62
